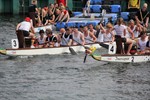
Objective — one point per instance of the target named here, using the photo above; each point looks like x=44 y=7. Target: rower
x=41 y=39
x=50 y=39
x=108 y=33
x=66 y=38
x=25 y=27
x=78 y=37
x=148 y=45
x=89 y=37
x=120 y=37
x=99 y=33
x=142 y=41
x=81 y=28
x=91 y=29
x=129 y=30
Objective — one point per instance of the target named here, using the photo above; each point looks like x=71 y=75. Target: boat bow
x=3 y=51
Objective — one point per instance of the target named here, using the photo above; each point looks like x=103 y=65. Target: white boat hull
x=44 y=51
x=37 y=29
x=123 y=58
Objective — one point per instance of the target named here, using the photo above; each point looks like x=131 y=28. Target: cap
x=27 y=19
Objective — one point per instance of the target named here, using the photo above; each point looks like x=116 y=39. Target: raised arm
x=102 y=29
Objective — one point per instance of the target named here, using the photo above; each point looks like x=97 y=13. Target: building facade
x=21 y=6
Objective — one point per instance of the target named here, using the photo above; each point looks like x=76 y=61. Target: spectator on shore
x=44 y=14
x=142 y=16
x=33 y=11
x=50 y=17
x=64 y=16
x=57 y=15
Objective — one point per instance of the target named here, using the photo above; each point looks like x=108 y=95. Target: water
x=66 y=77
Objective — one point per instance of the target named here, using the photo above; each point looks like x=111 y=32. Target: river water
x=66 y=77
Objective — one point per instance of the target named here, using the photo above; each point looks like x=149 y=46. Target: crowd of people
x=130 y=34
x=133 y=32
x=50 y=14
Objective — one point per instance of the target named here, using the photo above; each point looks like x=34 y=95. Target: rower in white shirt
x=78 y=37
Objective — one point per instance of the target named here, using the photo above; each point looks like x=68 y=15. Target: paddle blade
x=85 y=58
x=72 y=51
x=106 y=46
x=86 y=47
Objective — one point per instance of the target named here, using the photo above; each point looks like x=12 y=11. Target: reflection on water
x=66 y=77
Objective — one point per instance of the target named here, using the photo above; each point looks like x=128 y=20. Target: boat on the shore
x=122 y=58
x=44 y=51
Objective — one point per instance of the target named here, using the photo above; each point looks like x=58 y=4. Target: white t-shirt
x=41 y=41
x=77 y=38
x=142 y=44
x=120 y=30
x=107 y=37
x=25 y=26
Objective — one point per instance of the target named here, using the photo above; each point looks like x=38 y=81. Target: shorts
x=124 y=40
x=119 y=38
x=25 y=33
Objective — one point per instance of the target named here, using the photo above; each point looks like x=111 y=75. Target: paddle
x=103 y=13
x=104 y=45
x=70 y=49
x=81 y=44
x=85 y=58
x=85 y=48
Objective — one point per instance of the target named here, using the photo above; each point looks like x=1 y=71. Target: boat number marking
x=112 y=48
x=132 y=59
x=15 y=43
